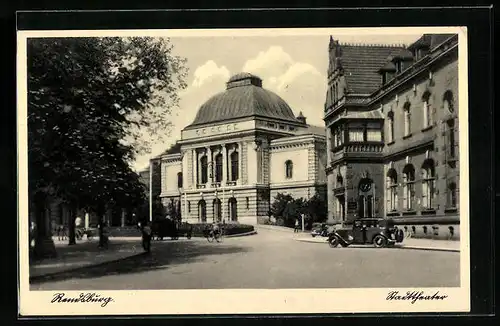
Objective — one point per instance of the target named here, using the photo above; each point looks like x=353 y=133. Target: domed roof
x=244 y=97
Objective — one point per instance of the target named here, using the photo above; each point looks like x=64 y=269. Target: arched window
x=234 y=166
x=428 y=184
x=452 y=195
x=390 y=126
x=179 y=180
x=204 y=169
x=289 y=169
x=427 y=109
x=408 y=186
x=218 y=168
x=202 y=211
x=407 y=114
x=340 y=181
x=451 y=142
x=448 y=103
x=233 y=209
x=392 y=190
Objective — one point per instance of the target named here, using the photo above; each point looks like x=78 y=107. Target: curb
x=428 y=248
x=395 y=247
x=240 y=235
x=38 y=278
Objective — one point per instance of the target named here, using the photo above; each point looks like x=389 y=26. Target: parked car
x=319 y=229
x=377 y=231
x=163 y=228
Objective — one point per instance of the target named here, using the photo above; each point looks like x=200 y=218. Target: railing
x=363 y=148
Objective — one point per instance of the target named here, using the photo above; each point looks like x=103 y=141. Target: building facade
x=391 y=115
x=244 y=146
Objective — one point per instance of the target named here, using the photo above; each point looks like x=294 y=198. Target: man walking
x=147 y=234
x=297 y=227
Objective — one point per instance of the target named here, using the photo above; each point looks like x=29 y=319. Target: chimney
x=301 y=118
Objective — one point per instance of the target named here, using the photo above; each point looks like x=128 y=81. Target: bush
x=230 y=228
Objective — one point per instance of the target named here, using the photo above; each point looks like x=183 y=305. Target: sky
x=294 y=67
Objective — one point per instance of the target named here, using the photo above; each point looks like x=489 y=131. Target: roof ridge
x=392 y=45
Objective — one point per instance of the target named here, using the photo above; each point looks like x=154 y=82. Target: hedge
x=229 y=229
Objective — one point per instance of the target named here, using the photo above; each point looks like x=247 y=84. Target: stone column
x=124 y=213
x=198 y=165
x=210 y=169
x=194 y=172
x=240 y=163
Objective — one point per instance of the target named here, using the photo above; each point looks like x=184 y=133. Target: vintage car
x=163 y=228
x=377 y=231
x=319 y=229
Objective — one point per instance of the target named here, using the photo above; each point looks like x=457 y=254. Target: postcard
x=243 y=171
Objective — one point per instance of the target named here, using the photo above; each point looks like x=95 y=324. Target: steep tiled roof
x=244 y=97
x=430 y=40
x=361 y=64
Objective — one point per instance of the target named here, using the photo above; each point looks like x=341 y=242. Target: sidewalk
x=85 y=253
x=408 y=243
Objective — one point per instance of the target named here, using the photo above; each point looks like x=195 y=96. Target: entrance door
x=361 y=206
x=369 y=206
x=365 y=198
x=232 y=210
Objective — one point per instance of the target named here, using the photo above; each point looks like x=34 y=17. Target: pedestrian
x=146 y=236
x=296 y=230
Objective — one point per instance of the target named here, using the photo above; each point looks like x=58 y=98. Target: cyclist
x=215 y=228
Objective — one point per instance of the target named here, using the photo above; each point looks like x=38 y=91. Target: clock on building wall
x=365 y=186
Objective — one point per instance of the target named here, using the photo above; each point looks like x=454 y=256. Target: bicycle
x=217 y=235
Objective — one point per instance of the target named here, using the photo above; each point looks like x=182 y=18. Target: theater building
x=244 y=146
x=391 y=114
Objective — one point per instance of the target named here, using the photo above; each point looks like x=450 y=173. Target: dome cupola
x=244 y=97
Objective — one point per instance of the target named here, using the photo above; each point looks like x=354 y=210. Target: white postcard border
x=248 y=301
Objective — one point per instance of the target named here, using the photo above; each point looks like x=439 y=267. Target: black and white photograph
x=243 y=171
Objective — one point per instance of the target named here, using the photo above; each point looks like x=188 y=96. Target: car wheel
x=313 y=235
x=379 y=241
x=333 y=242
x=400 y=235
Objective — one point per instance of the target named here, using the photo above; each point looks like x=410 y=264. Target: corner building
x=244 y=146
x=391 y=115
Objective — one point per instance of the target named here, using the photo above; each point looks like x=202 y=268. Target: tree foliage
x=288 y=209
x=93 y=105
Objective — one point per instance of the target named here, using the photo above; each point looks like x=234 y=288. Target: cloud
x=300 y=84
x=208 y=80
x=209 y=71
x=270 y=63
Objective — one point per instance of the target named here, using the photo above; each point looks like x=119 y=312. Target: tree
x=317 y=208
x=280 y=203
x=89 y=102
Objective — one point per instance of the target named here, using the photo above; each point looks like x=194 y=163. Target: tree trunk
x=71 y=224
x=44 y=245
x=100 y=217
